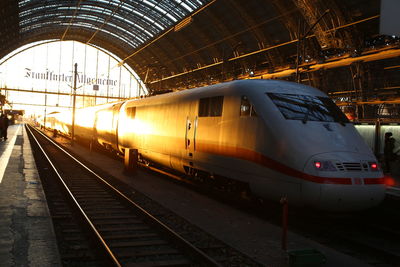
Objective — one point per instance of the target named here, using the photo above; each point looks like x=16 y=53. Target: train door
x=115 y=120
x=191 y=129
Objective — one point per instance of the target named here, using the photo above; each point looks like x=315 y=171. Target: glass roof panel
x=135 y=29
x=138 y=21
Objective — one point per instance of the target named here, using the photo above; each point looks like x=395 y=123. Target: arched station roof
x=130 y=22
x=176 y=44
x=120 y=26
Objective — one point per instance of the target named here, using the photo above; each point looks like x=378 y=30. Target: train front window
x=307 y=108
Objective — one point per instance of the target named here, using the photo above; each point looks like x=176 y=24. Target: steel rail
x=200 y=254
x=95 y=231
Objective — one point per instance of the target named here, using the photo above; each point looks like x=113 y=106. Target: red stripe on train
x=374 y=180
x=258 y=158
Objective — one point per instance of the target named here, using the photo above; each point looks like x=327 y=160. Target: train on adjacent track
x=281 y=139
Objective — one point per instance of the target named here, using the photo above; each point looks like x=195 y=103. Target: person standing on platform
x=4 y=126
x=6 y=123
x=1 y=125
x=388 y=148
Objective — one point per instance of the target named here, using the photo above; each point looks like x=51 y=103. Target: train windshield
x=308 y=108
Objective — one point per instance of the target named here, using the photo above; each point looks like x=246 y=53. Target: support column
x=377 y=143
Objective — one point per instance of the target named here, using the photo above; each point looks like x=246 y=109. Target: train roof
x=238 y=87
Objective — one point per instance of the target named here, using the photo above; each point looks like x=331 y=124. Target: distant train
x=278 y=138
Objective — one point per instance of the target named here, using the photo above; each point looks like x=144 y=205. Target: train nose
x=339 y=163
x=350 y=197
x=346 y=181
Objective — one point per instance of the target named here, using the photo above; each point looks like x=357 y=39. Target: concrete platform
x=26 y=231
x=246 y=233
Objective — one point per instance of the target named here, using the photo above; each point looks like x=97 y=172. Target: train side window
x=131 y=112
x=203 y=107
x=246 y=108
x=211 y=106
x=216 y=104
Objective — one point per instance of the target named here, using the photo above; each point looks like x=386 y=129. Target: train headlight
x=325 y=165
x=373 y=166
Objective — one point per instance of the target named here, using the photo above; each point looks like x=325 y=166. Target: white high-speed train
x=279 y=138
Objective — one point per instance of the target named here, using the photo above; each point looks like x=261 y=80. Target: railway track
x=371 y=236
x=122 y=233
x=368 y=235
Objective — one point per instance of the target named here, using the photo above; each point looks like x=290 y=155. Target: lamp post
x=74 y=104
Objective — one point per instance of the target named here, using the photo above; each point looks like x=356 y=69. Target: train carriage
x=279 y=138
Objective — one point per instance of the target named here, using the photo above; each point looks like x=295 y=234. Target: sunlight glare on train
x=65 y=118
x=85 y=117
x=105 y=122
x=141 y=127
x=135 y=125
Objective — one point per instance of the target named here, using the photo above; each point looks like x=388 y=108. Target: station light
x=389 y=181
